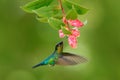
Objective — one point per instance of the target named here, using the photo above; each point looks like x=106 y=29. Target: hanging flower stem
x=64 y=15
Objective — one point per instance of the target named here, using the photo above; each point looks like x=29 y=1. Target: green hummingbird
x=58 y=57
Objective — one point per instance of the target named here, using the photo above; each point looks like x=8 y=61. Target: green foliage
x=65 y=31
x=36 y=5
x=55 y=23
x=45 y=11
x=71 y=14
x=80 y=10
x=51 y=12
x=44 y=20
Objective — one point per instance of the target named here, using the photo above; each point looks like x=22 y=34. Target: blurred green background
x=24 y=41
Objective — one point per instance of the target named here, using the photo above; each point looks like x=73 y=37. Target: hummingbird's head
x=59 y=47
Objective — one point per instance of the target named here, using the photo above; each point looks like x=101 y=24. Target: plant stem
x=64 y=15
x=61 y=6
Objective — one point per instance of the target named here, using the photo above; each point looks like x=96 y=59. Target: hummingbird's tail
x=40 y=64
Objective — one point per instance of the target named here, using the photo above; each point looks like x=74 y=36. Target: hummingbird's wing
x=70 y=59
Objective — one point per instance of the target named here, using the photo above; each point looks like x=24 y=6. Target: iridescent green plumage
x=61 y=58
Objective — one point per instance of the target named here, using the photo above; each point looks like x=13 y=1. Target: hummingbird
x=58 y=57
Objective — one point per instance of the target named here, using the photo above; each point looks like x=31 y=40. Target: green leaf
x=65 y=31
x=55 y=23
x=44 y=20
x=45 y=11
x=80 y=10
x=48 y=11
x=68 y=4
x=35 y=5
x=72 y=14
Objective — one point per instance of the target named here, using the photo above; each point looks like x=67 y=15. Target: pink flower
x=76 y=23
x=72 y=38
x=61 y=34
x=72 y=41
x=75 y=33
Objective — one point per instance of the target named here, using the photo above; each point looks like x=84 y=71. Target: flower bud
x=76 y=23
x=61 y=34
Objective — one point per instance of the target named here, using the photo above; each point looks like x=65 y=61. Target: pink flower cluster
x=72 y=38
